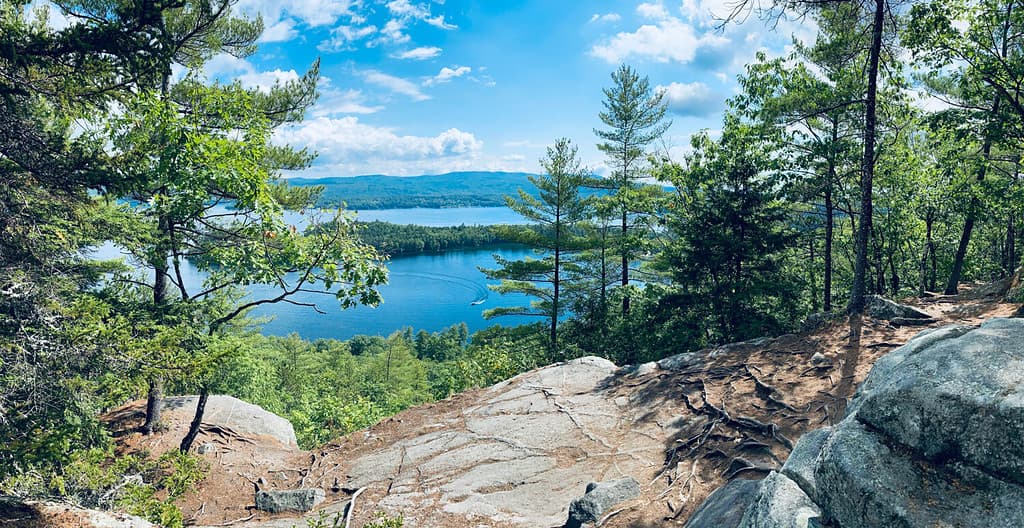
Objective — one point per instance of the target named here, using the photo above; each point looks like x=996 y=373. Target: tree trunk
x=554 y=298
x=813 y=274
x=965 y=238
x=1011 y=247
x=923 y=279
x=153 y=401
x=625 y=263
x=867 y=164
x=197 y=420
x=155 y=394
x=830 y=220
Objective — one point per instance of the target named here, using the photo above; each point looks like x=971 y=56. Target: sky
x=412 y=87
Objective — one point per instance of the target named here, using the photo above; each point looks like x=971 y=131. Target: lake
x=426 y=292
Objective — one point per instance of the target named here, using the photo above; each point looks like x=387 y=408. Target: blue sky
x=420 y=87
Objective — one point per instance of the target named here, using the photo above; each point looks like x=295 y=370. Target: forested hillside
x=457 y=189
x=880 y=157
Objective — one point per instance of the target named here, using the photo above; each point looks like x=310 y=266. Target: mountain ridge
x=452 y=189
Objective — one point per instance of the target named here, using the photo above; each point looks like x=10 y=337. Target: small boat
x=480 y=301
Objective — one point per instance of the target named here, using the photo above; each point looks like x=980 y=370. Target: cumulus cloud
x=421 y=53
x=691 y=99
x=348 y=146
x=607 y=17
x=344 y=138
x=446 y=74
x=282 y=31
x=395 y=84
x=670 y=40
x=652 y=10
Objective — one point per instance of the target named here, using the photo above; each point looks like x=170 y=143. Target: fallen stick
x=352 y=506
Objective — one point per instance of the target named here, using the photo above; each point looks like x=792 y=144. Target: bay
x=425 y=292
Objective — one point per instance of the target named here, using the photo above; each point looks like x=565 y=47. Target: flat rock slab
x=236 y=416
x=517 y=455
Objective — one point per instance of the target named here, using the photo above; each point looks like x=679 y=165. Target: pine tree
x=555 y=217
x=635 y=116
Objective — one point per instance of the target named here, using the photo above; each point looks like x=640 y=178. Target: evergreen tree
x=556 y=215
x=635 y=117
x=731 y=239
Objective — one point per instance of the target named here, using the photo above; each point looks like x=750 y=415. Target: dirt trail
x=517 y=453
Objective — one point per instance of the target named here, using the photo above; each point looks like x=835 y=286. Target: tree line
x=828 y=181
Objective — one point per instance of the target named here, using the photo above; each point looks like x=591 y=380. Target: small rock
x=206 y=449
x=821 y=360
x=300 y=500
x=818 y=320
x=600 y=498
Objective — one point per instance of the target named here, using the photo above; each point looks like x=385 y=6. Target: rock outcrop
x=934 y=437
x=899 y=314
x=234 y=416
x=15 y=513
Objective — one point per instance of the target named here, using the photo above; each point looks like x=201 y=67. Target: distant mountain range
x=455 y=189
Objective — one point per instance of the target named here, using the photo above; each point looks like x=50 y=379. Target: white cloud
x=347 y=146
x=670 y=40
x=282 y=31
x=313 y=13
x=406 y=10
x=228 y=67
x=691 y=99
x=652 y=10
x=395 y=84
x=421 y=53
x=264 y=81
x=707 y=12
x=393 y=32
x=342 y=37
x=446 y=74
x=607 y=17
x=336 y=102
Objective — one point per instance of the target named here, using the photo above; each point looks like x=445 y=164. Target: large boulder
x=882 y=308
x=725 y=507
x=934 y=437
x=780 y=503
x=233 y=416
x=599 y=500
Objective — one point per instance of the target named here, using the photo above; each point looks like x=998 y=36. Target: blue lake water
x=429 y=292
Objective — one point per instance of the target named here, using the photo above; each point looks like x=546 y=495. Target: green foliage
x=134 y=484
x=383 y=520
x=397 y=240
x=555 y=234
